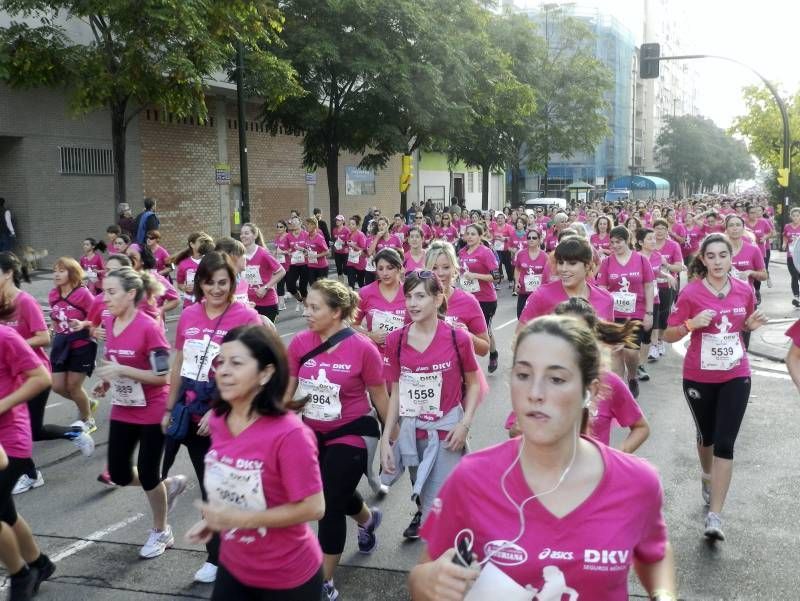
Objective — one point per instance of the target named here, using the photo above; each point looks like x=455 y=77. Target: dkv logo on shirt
x=604 y=560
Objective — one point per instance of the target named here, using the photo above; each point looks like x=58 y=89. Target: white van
x=545 y=203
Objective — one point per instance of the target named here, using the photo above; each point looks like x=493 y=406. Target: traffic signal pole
x=783 y=173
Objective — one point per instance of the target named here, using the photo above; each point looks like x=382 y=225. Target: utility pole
x=243 y=176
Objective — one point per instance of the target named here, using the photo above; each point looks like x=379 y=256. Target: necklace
x=718 y=291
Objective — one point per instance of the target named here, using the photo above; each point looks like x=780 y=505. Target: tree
x=695 y=155
x=149 y=52
x=762 y=127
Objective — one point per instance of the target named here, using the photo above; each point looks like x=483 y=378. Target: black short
x=489 y=308
x=226 y=587
x=268 y=311
x=79 y=360
x=642 y=336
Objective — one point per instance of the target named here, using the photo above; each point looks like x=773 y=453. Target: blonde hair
x=142 y=282
x=439 y=248
x=338 y=296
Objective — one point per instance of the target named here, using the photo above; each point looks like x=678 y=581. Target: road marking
x=51 y=405
x=287 y=334
x=508 y=323
x=79 y=545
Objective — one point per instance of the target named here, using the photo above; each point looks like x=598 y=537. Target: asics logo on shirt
x=547 y=552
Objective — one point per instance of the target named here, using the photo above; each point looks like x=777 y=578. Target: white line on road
x=93 y=538
x=51 y=405
x=287 y=334
x=508 y=323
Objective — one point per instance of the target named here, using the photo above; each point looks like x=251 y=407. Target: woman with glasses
x=159 y=253
x=446 y=231
x=340 y=235
x=530 y=270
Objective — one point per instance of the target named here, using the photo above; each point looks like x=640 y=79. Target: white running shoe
x=207 y=573
x=281 y=304
x=25 y=483
x=662 y=348
x=705 y=488
x=713 y=530
x=653 y=354
x=298 y=307
x=83 y=441
x=157 y=543
x=176 y=486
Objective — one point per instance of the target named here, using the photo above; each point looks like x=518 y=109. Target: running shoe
x=88 y=425
x=653 y=354
x=412 y=532
x=82 y=440
x=492 y=362
x=206 y=574
x=105 y=478
x=298 y=307
x=705 y=488
x=176 y=486
x=158 y=541
x=93 y=405
x=796 y=301
x=25 y=483
x=642 y=374
x=713 y=530
x=758 y=297
x=23 y=587
x=769 y=281
x=45 y=569
x=329 y=592
x=281 y=304
x=662 y=348
x=634 y=387
x=367 y=541
x=514 y=293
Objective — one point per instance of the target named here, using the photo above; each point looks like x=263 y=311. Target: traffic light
x=405 y=174
x=783 y=177
x=648 y=67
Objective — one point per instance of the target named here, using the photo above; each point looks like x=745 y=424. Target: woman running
x=478 y=263
x=160 y=297
x=629 y=277
x=573 y=263
x=369 y=267
x=199 y=334
x=92 y=264
x=134 y=375
x=382 y=304
x=121 y=243
x=747 y=262
x=73 y=353
x=384 y=239
x=356 y=253
x=262 y=478
x=715 y=309
x=186 y=263
x=296 y=244
x=28 y=321
x=601 y=240
x=764 y=232
x=22 y=377
x=262 y=272
x=791 y=234
x=317 y=251
x=436 y=385
x=673 y=256
x=415 y=255
x=530 y=269
x=446 y=231
x=556 y=482
x=331 y=369
x=340 y=235
x=501 y=232
x=160 y=254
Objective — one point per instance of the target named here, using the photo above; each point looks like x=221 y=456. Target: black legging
x=757 y=283
x=197 y=446
x=316 y=273
x=718 y=411
x=123 y=439
x=341 y=467
x=521 y=300
x=281 y=287
x=341 y=262
x=268 y=311
x=8 y=478
x=505 y=262
x=297 y=280
x=355 y=276
x=794 y=275
x=369 y=277
x=40 y=430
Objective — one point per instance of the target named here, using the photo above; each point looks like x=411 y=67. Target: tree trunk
x=332 y=169
x=118 y=131
x=544 y=180
x=485 y=192
x=516 y=180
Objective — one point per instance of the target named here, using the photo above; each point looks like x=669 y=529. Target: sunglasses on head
x=423 y=274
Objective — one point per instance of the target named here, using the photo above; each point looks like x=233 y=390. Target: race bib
x=338 y=245
x=383 y=321
x=371 y=265
x=280 y=257
x=127 y=393
x=452 y=320
x=469 y=285
x=499 y=245
x=312 y=257
x=624 y=302
x=190 y=277
x=354 y=256
x=252 y=275
x=532 y=281
x=738 y=274
x=323 y=398
x=720 y=352
x=462 y=229
x=401 y=236
x=193 y=351
x=298 y=257
x=91 y=275
x=420 y=394
x=234 y=486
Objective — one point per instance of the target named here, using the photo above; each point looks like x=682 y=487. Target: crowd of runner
x=398 y=312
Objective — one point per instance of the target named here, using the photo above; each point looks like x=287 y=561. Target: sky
x=759 y=34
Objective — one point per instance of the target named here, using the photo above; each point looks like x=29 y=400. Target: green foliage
x=696 y=155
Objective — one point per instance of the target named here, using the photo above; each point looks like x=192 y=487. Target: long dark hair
x=19 y=272
x=267 y=349
x=697 y=269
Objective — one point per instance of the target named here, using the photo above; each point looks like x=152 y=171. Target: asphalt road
x=94 y=533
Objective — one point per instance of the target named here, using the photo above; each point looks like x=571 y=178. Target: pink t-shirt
x=261 y=266
x=372 y=303
x=276 y=457
x=448 y=233
x=132 y=347
x=357 y=243
x=518 y=241
x=791 y=233
x=613 y=402
x=296 y=246
x=530 y=267
x=340 y=237
x=718 y=228
x=353 y=366
x=749 y=258
x=281 y=251
x=93 y=265
x=631 y=278
x=463 y=309
x=318 y=244
x=194 y=324
x=480 y=260
x=184 y=275
x=548 y=296
x=672 y=251
x=28 y=319
x=761 y=230
x=705 y=344
x=794 y=333
x=601 y=244
x=501 y=236
x=692 y=244
x=587 y=553
x=15 y=424
x=76 y=305
x=656 y=262
x=99 y=312
x=161 y=255
x=550 y=241
x=391 y=242
x=677 y=230
x=441 y=356
x=411 y=264
x=169 y=290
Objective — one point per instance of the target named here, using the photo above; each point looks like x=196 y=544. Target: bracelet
x=466 y=426
x=662 y=594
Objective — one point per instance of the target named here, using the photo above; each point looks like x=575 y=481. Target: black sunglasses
x=533 y=237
